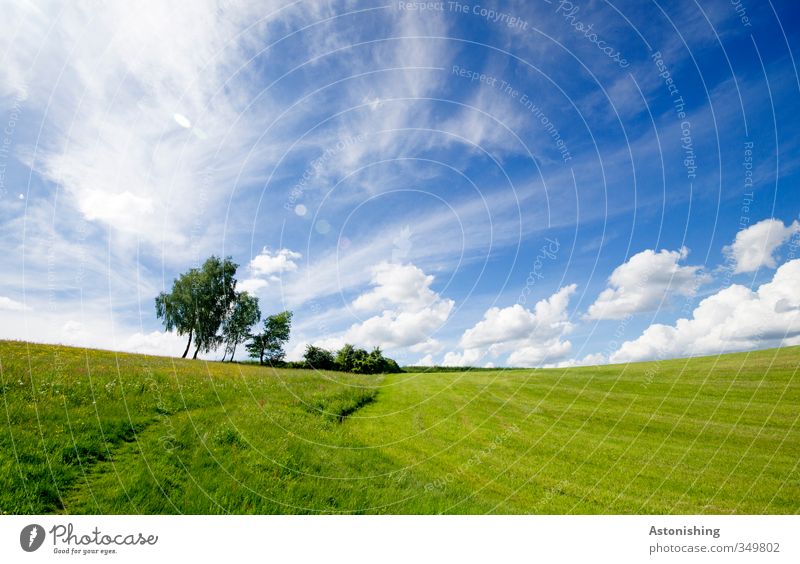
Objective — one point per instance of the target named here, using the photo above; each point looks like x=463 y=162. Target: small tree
x=267 y=346
x=243 y=315
x=179 y=308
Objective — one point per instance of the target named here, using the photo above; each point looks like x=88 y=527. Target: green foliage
x=216 y=294
x=359 y=361
x=179 y=308
x=267 y=346
x=337 y=407
x=199 y=302
x=319 y=358
x=346 y=357
x=243 y=315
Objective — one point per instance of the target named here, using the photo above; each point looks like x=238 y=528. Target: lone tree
x=199 y=302
x=236 y=328
x=267 y=347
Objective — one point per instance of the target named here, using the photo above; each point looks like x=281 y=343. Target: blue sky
x=510 y=183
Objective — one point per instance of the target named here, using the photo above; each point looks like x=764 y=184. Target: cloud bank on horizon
x=514 y=184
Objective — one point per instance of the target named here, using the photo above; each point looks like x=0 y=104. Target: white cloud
x=251 y=285
x=735 y=318
x=429 y=346
x=158 y=343
x=644 y=282
x=267 y=267
x=414 y=311
x=536 y=354
x=11 y=305
x=397 y=328
x=426 y=360
x=469 y=357
x=588 y=360
x=268 y=263
x=397 y=284
x=411 y=313
x=141 y=105
x=504 y=329
x=755 y=246
x=532 y=337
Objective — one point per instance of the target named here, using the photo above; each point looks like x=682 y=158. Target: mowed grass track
x=87 y=431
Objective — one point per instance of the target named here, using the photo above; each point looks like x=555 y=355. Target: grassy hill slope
x=86 y=431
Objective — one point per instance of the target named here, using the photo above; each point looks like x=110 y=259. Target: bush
x=319 y=358
x=360 y=361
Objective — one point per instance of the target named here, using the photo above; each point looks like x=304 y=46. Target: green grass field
x=87 y=431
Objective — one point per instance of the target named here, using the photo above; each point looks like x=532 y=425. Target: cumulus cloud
x=426 y=360
x=644 y=282
x=532 y=337
x=755 y=246
x=11 y=305
x=397 y=284
x=267 y=262
x=158 y=343
x=503 y=329
x=540 y=353
x=469 y=357
x=410 y=312
x=735 y=318
x=266 y=267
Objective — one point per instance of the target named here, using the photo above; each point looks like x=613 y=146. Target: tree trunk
x=224 y=354
x=261 y=359
x=187 y=345
x=233 y=352
x=194 y=356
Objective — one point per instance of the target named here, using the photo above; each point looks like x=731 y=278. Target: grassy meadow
x=88 y=431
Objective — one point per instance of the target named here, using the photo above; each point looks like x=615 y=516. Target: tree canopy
x=267 y=346
x=236 y=328
x=199 y=303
